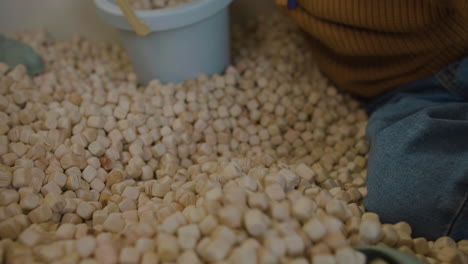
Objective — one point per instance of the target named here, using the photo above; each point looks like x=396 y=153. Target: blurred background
x=64 y=18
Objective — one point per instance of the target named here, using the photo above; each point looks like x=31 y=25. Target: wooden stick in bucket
x=141 y=28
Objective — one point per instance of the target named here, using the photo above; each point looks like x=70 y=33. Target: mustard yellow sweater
x=371 y=46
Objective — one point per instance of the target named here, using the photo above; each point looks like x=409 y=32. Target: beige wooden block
x=147 y=173
x=258 y=200
x=280 y=210
x=230 y=215
x=99 y=217
x=168 y=248
x=9 y=229
x=274 y=178
x=111 y=207
x=70 y=205
x=130 y=216
x=291 y=179
x=353 y=223
x=96 y=149
x=303 y=208
x=97 y=184
x=106 y=254
x=19 y=148
x=213 y=250
x=51 y=187
x=404 y=240
x=294 y=195
x=208 y=224
x=73 y=171
x=338 y=209
x=323 y=259
x=21 y=177
x=188 y=236
x=444 y=242
x=8 y=196
x=390 y=236
x=275 y=245
x=89 y=173
x=431 y=260
x=22 y=221
x=70 y=160
x=118 y=188
x=24 y=191
x=305 y=172
x=315 y=229
x=145 y=244
x=266 y=256
x=85 y=210
x=31 y=236
x=71 y=218
x=321 y=173
x=336 y=240
x=41 y=214
x=189 y=257
x=81 y=230
x=127 y=204
x=131 y=192
x=248 y=183
x=84 y=187
x=59 y=178
x=114 y=223
x=449 y=255
x=172 y=223
x=234 y=195
x=403 y=227
x=294 y=245
x=349 y=256
x=13 y=209
x=420 y=246
x=371 y=231
x=224 y=233
x=115 y=176
x=275 y=192
x=245 y=253
x=6 y=176
x=129 y=255
x=255 y=222
x=96 y=121
x=194 y=214
x=73 y=182
x=56 y=202
x=150 y=258
x=66 y=231
x=186 y=198
x=463 y=246
x=368 y=216
x=9 y=159
x=50 y=252
x=37 y=151
x=214 y=194
x=161 y=188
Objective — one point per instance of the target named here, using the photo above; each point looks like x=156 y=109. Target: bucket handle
x=141 y=28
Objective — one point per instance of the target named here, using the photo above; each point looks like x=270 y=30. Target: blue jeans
x=418 y=159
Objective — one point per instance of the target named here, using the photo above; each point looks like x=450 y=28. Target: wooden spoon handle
x=141 y=28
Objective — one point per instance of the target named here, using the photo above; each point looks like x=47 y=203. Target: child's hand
x=13 y=52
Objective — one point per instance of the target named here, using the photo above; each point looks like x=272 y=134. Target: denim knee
x=418 y=169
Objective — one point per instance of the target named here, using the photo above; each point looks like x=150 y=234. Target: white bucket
x=184 y=41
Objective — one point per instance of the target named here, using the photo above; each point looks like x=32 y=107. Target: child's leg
x=418 y=161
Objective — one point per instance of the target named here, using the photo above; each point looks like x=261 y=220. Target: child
x=410 y=57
